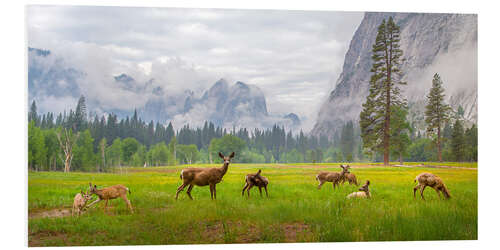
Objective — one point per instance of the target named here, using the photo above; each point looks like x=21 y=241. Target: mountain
x=431 y=43
x=229 y=105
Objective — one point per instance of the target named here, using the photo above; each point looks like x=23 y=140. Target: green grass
x=295 y=210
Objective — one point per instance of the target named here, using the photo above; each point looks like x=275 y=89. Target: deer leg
x=106 y=206
x=128 y=203
x=248 y=189
x=189 y=191
x=260 y=191
x=439 y=194
x=320 y=184
x=415 y=190
x=422 y=188
x=265 y=188
x=243 y=191
x=179 y=189
x=211 y=191
x=215 y=192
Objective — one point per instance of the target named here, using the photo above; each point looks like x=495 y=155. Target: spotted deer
x=364 y=192
x=110 y=193
x=255 y=180
x=203 y=177
x=79 y=202
x=433 y=181
x=334 y=177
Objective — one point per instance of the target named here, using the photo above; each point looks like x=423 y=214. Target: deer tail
x=128 y=189
x=181 y=174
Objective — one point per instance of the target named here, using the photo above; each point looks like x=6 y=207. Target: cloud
x=292 y=56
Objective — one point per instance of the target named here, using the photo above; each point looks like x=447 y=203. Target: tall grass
x=295 y=211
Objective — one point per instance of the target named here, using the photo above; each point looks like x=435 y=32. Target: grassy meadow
x=296 y=210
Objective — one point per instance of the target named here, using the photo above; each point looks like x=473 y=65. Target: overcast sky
x=294 y=57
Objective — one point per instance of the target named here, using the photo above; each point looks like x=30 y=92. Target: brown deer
x=79 y=202
x=433 y=181
x=110 y=193
x=334 y=177
x=350 y=177
x=364 y=192
x=204 y=176
x=255 y=180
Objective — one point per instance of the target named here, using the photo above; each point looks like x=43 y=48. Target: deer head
x=92 y=189
x=226 y=159
x=364 y=188
x=345 y=168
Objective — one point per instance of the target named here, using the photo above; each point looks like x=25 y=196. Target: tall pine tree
x=437 y=112
x=375 y=118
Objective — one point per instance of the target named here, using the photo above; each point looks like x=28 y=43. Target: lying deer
x=203 y=177
x=350 y=177
x=334 y=177
x=79 y=202
x=365 y=192
x=433 y=181
x=255 y=180
x=110 y=193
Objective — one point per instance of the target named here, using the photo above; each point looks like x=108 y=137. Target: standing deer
x=433 y=181
x=334 y=177
x=204 y=176
x=110 y=193
x=365 y=192
x=79 y=202
x=350 y=177
x=255 y=180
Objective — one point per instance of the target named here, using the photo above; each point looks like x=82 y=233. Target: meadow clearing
x=296 y=211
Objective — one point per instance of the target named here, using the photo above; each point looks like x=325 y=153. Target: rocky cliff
x=431 y=43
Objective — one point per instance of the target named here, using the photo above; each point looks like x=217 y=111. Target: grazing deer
x=433 y=181
x=365 y=192
x=204 y=176
x=334 y=177
x=350 y=177
x=255 y=180
x=110 y=193
x=79 y=202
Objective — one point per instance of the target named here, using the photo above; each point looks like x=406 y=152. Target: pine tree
x=436 y=111
x=80 y=119
x=32 y=114
x=400 y=130
x=384 y=93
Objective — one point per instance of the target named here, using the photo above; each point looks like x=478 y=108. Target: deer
x=433 y=181
x=334 y=177
x=79 y=202
x=255 y=180
x=110 y=193
x=350 y=177
x=364 y=192
x=203 y=177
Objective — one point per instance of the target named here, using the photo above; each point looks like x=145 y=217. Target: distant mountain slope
x=442 y=43
x=239 y=104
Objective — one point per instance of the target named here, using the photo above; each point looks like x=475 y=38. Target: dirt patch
x=37 y=239
x=296 y=232
x=51 y=213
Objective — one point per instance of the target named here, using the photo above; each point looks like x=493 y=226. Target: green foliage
x=187 y=154
x=128 y=148
x=400 y=130
x=226 y=145
x=421 y=150
x=36 y=147
x=458 y=141
x=437 y=112
x=248 y=156
x=83 y=153
x=158 y=154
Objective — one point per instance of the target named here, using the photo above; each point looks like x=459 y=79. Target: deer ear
x=232 y=155
x=221 y=155
x=95 y=186
x=90 y=184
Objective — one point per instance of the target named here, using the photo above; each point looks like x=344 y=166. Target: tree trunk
x=400 y=158
x=67 y=163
